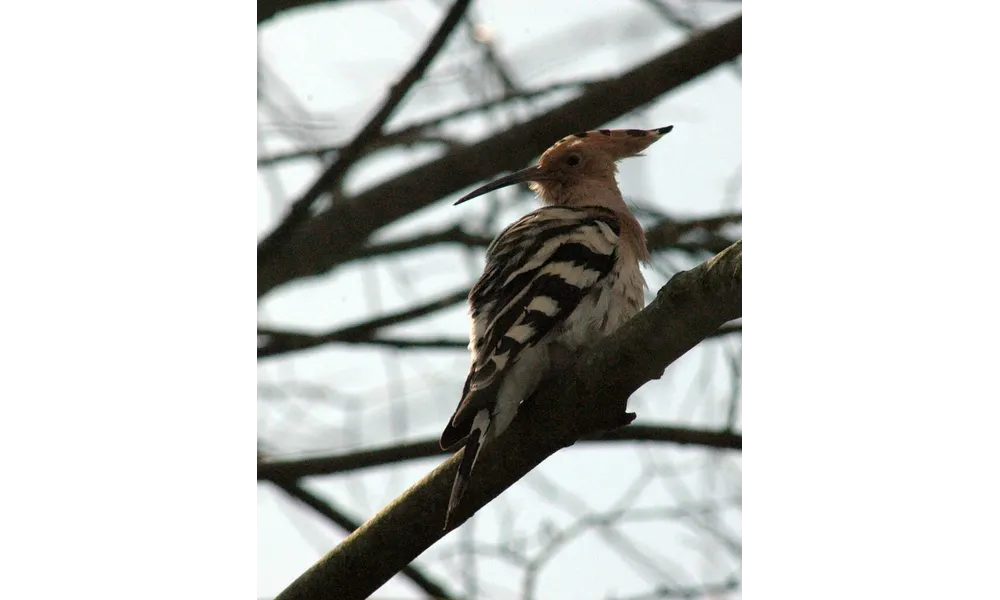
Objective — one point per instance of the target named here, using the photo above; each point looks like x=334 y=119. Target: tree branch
x=325 y=509
x=268 y=8
x=437 y=343
x=664 y=235
x=299 y=211
x=708 y=590
x=592 y=396
x=385 y=141
x=452 y=235
x=668 y=232
x=274 y=470
x=485 y=105
x=323 y=241
x=417 y=132
x=463 y=344
x=283 y=342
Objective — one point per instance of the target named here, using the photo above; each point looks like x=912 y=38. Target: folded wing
x=537 y=272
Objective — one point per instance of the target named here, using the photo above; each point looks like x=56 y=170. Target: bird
x=555 y=281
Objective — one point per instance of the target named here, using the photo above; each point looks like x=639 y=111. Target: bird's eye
x=573 y=160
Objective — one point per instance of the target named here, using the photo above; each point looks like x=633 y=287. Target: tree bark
x=588 y=398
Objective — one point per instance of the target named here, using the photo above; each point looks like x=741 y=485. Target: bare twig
x=672 y=16
x=530 y=94
x=602 y=523
x=453 y=235
x=299 y=211
x=725 y=440
x=706 y=590
x=669 y=231
x=684 y=23
x=385 y=141
x=664 y=235
x=498 y=64
x=365 y=459
x=461 y=344
x=327 y=510
x=417 y=132
x=282 y=342
x=268 y=8
x=418 y=343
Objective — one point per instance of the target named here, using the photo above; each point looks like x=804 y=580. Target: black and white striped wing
x=537 y=272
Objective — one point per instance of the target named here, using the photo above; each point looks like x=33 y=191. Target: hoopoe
x=555 y=281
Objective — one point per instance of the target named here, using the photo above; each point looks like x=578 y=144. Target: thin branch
x=418 y=344
x=283 y=342
x=664 y=235
x=591 y=397
x=463 y=344
x=499 y=65
x=708 y=247
x=686 y=24
x=673 y=17
x=669 y=231
x=417 y=132
x=270 y=470
x=266 y=9
x=326 y=509
x=342 y=463
x=452 y=235
x=602 y=524
x=725 y=440
x=299 y=211
x=699 y=591
x=323 y=241
x=583 y=84
x=385 y=141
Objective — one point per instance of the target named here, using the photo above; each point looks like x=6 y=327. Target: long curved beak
x=534 y=173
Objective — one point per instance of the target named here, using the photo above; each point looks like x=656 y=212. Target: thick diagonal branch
x=295 y=490
x=591 y=397
x=325 y=240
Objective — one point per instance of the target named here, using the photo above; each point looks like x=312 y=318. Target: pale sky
x=337 y=61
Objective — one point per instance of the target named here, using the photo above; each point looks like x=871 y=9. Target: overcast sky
x=336 y=62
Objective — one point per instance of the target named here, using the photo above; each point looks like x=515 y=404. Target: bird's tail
x=477 y=435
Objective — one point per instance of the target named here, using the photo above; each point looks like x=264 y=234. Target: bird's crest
x=588 y=155
x=617 y=143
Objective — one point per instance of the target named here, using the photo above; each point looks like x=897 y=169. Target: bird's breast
x=613 y=302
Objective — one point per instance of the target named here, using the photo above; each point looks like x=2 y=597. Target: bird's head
x=584 y=162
